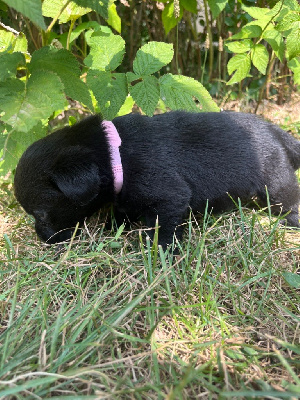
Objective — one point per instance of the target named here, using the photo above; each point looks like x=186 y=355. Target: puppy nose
x=61 y=236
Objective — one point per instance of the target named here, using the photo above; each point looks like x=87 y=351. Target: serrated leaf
x=278 y=11
x=281 y=8
x=6 y=40
x=288 y=22
x=257 y=12
x=294 y=65
x=248 y=31
x=31 y=9
x=113 y=18
x=63 y=63
x=26 y=139
x=292 y=279
x=190 y=5
x=146 y=94
x=126 y=107
x=178 y=93
x=260 y=58
x=10 y=152
x=100 y=6
x=293 y=42
x=15 y=143
x=217 y=6
x=151 y=57
x=9 y=63
x=275 y=40
x=107 y=51
x=10 y=42
x=21 y=43
x=25 y=105
x=168 y=19
x=110 y=90
x=240 y=63
x=240 y=47
x=52 y=8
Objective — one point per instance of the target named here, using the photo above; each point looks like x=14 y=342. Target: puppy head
x=59 y=189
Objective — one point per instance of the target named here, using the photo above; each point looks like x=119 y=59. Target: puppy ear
x=76 y=175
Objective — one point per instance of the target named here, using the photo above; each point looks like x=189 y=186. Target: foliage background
x=111 y=55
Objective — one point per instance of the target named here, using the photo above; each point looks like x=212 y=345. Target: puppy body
x=171 y=162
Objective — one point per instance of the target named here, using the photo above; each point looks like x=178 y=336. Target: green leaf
x=292 y=279
x=168 y=18
x=240 y=47
x=63 y=63
x=293 y=42
x=248 y=31
x=10 y=42
x=21 y=43
x=240 y=63
x=145 y=93
x=275 y=40
x=151 y=57
x=31 y=9
x=34 y=134
x=110 y=90
x=126 y=107
x=100 y=6
x=288 y=22
x=107 y=51
x=190 y=5
x=25 y=105
x=260 y=58
x=178 y=93
x=217 y=6
x=93 y=25
x=281 y=8
x=113 y=18
x=257 y=12
x=15 y=143
x=9 y=64
x=10 y=152
x=51 y=8
x=294 y=65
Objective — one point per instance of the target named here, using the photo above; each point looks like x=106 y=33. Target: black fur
x=171 y=162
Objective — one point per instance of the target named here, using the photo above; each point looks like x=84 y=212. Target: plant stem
x=176 y=59
x=211 y=50
x=69 y=33
x=46 y=33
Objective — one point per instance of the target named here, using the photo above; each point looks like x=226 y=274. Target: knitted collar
x=114 y=142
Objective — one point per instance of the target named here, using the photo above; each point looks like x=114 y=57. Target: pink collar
x=114 y=142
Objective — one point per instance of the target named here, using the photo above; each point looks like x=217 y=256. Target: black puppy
x=170 y=163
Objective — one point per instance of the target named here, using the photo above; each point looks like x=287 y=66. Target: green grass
x=110 y=316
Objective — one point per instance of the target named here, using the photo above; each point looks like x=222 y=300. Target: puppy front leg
x=167 y=224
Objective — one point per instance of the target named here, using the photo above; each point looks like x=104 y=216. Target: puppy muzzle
x=50 y=236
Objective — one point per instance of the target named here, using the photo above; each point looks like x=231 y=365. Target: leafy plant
x=34 y=87
x=272 y=33
x=279 y=27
